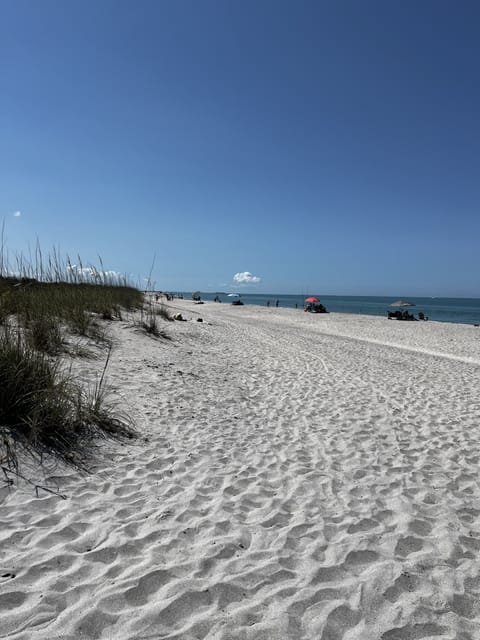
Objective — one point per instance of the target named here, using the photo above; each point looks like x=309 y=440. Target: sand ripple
x=300 y=480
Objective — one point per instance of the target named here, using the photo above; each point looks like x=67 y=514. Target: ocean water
x=463 y=310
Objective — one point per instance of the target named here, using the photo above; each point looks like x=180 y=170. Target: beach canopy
x=402 y=303
x=312 y=299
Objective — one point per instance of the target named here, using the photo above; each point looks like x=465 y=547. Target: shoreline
x=450 y=310
x=296 y=475
x=452 y=339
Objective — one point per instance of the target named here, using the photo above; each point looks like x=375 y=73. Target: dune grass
x=72 y=303
x=41 y=409
x=148 y=321
x=164 y=313
x=149 y=325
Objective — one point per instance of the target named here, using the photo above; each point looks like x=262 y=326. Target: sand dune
x=298 y=477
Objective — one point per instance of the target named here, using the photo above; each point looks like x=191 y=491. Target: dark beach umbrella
x=402 y=303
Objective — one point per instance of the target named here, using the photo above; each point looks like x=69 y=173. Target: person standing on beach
x=276 y=303
x=268 y=303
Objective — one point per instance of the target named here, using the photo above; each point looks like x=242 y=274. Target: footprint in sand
x=406 y=546
x=363 y=525
x=405 y=583
x=415 y=632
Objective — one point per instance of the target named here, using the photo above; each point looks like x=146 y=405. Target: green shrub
x=45 y=334
x=163 y=312
x=42 y=410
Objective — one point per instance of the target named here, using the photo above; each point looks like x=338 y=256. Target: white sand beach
x=297 y=476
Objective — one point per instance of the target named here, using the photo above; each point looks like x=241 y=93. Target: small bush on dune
x=79 y=321
x=150 y=326
x=149 y=319
x=163 y=312
x=45 y=334
x=41 y=410
x=112 y=313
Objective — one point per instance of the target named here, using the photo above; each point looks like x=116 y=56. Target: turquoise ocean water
x=464 y=310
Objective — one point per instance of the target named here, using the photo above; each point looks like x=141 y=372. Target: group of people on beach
x=405 y=315
x=168 y=296
x=314 y=307
x=276 y=303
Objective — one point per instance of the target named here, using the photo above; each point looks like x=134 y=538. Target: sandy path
x=305 y=477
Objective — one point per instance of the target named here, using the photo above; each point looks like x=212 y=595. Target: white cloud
x=82 y=271
x=94 y=274
x=17 y=214
x=245 y=277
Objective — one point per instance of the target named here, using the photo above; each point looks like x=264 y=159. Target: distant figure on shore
x=268 y=303
x=276 y=303
x=401 y=315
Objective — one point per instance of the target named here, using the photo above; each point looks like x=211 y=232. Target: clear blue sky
x=330 y=146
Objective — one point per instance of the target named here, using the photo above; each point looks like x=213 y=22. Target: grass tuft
x=41 y=409
x=150 y=326
x=45 y=334
x=163 y=312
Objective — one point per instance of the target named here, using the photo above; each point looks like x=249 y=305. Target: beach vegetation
x=44 y=334
x=164 y=313
x=42 y=409
x=148 y=323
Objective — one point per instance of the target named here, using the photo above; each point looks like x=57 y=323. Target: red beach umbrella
x=312 y=299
